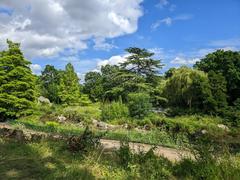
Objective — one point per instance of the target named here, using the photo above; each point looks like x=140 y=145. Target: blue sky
x=179 y=32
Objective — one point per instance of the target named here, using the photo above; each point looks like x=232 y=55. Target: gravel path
x=170 y=153
x=111 y=145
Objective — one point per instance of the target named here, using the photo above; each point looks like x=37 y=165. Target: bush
x=52 y=125
x=87 y=142
x=143 y=165
x=73 y=115
x=208 y=165
x=115 y=110
x=139 y=105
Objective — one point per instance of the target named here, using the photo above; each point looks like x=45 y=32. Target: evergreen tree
x=49 y=82
x=17 y=83
x=69 y=88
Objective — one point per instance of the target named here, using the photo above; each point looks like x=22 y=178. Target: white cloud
x=169 y=20
x=47 y=27
x=114 y=60
x=226 y=43
x=36 y=68
x=162 y=3
x=184 y=61
x=158 y=53
x=101 y=44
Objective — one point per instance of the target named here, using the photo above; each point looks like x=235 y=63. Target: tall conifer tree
x=69 y=88
x=17 y=83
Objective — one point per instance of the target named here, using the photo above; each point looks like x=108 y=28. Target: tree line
x=212 y=86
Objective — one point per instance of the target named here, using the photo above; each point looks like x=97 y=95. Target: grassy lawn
x=50 y=160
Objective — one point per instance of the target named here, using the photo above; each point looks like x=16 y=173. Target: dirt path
x=108 y=145
x=170 y=153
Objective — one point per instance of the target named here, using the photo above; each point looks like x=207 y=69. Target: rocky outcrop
x=25 y=136
x=104 y=126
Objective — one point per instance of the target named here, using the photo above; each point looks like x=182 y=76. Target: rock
x=102 y=125
x=147 y=127
x=125 y=126
x=222 y=126
x=43 y=100
x=113 y=127
x=61 y=118
x=95 y=122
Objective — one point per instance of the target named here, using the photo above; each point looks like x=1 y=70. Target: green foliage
x=73 y=115
x=227 y=64
x=85 y=143
x=139 y=105
x=137 y=73
x=141 y=63
x=52 y=125
x=93 y=86
x=189 y=88
x=208 y=165
x=124 y=154
x=145 y=165
x=69 y=88
x=49 y=83
x=114 y=110
x=219 y=90
x=17 y=84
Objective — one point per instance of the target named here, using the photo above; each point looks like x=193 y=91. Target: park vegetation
x=192 y=107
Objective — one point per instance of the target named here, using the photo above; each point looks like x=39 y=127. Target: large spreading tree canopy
x=226 y=63
x=17 y=83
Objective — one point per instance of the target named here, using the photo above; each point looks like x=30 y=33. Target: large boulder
x=43 y=100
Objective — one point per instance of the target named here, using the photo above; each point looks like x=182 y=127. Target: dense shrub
x=73 y=115
x=114 y=110
x=144 y=165
x=139 y=105
x=87 y=142
x=208 y=165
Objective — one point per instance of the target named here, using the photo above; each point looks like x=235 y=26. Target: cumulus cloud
x=47 y=27
x=36 y=68
x=169 y=20
x=114 y=60
x=184 y=61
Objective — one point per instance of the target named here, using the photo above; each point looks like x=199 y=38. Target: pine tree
x=69 y=88
x=17 y=83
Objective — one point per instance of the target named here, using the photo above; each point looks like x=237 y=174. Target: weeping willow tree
x=188 y=88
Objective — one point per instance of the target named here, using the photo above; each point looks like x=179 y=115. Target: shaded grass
x=47 y=160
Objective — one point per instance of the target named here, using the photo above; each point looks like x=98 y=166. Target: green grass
x=51 y=160
x=166 y=131
x=156 y=136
